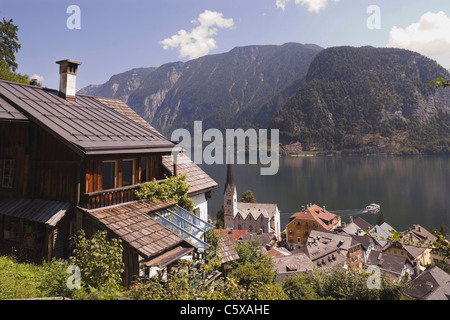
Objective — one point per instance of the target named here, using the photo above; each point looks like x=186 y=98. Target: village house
x=395 y=267
x=71 y=162
x=312 y=217
x=382 y=235
x=287 y=263
x=358 y=229
x=257 y=218
x=357 y=226
x=438 y=255
x=324 y=250
x=322 y=245
x=432 y=284
x=415 y=244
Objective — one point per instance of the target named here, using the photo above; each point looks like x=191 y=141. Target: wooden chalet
x=70 y=162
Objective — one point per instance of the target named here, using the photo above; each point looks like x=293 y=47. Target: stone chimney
x=68 y=79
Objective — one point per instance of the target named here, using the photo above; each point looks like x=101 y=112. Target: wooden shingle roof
x=133 y=224
x=198 y=180
x=226 y=249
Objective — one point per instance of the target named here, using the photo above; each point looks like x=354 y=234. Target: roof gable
x=433 y=284
x=255 y=210
x=196 y=178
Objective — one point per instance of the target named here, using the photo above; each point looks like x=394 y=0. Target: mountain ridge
x=248 y=81
x=363 y=99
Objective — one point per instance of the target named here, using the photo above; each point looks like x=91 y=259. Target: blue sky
x=116 y=36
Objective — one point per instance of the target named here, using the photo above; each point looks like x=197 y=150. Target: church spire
x=230 y=178
x=229 y=200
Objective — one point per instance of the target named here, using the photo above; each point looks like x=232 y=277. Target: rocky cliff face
x=119 y=86
x=240 y=88
x=152 y=92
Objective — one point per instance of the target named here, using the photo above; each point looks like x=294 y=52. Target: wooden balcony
x=110 y=197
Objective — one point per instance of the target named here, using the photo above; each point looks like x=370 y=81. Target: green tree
x=443 y=230
x=264 y=291
x=248 y=251
x=300 y=287
x=99 y=260
x=252 y=265
x=440 y=83
x=7 y=74
x=259 y=271
x=174 y=188
x=220 y=218
x=9 y=44
x=338 y=284
x=248 y=197
x=27 y=280
x=8 y=47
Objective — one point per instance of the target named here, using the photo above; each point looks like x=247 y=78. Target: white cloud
x=199 y=41
x=39 y=78
x=429 y=36
x=313 y=5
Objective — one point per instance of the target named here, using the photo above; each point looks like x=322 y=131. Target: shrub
x=99 y=260
x=174 y=188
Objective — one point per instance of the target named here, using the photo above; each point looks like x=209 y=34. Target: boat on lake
x=372 y=208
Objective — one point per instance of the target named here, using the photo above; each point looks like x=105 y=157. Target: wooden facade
x=144 y=168
x=60 y=159
x=66 y=164
x=45 y=168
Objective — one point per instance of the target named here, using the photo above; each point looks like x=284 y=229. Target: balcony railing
x=110 y=197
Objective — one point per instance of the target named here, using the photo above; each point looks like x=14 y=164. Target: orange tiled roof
x=236 y=235
x=315 y=213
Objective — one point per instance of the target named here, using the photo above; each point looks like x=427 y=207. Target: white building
x=254 y=217
x=200 y=183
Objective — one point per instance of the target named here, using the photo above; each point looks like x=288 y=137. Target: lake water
x=410 y=190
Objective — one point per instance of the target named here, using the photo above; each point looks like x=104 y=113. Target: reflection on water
x=410 y=190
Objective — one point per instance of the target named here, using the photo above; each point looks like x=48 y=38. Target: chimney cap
x=68 y=61
x=68 y=66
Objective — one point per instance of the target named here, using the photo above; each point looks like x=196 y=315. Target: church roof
x=255 y=210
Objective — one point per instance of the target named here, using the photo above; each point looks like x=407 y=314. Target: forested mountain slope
x=368 y=100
